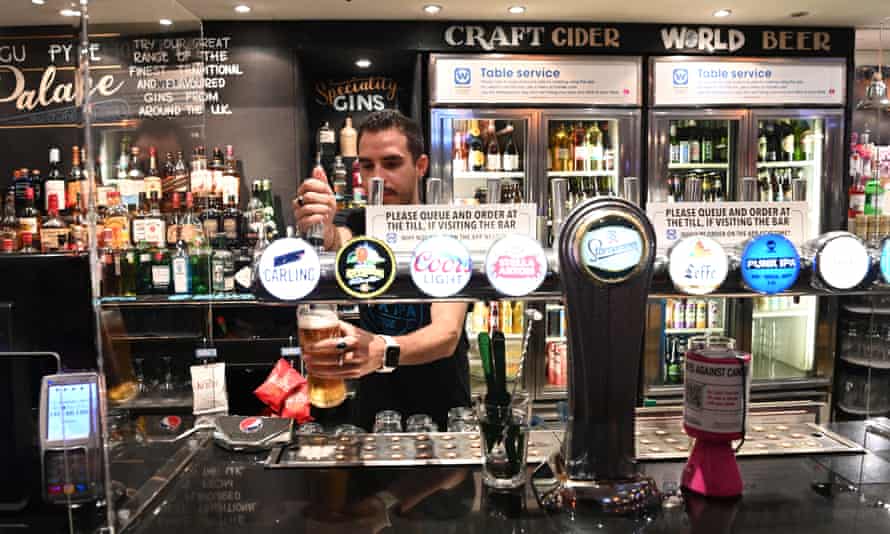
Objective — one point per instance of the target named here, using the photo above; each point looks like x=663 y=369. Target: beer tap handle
x=376 y=195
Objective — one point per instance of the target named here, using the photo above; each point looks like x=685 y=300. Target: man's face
x=385 y=154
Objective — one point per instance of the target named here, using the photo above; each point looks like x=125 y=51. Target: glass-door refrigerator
x=790 y=337
x=524 y=138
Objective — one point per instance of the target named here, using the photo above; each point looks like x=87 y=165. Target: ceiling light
x=363 y=63
x=798 y=14
x=166 y=22
x=432 y=9
x=242 y=8
x=723 y=13
x=516 y=10
x=69 y=13
x=38 y=2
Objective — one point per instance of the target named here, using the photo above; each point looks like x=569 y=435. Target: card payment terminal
x=70 y=438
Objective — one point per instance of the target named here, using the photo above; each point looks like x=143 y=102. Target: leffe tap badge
x=697 y=265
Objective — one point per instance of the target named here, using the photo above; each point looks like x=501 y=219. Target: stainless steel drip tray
x=665 y=439
x=398 y=450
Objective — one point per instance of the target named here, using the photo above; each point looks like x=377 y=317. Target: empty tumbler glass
x=388 y=422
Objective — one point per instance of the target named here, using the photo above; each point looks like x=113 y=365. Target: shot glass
x=388 y=422
x=421 y=423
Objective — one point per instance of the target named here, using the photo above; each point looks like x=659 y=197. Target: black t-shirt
x=432 y=388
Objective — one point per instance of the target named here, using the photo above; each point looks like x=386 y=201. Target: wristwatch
x=390 y=504
x=390 y=355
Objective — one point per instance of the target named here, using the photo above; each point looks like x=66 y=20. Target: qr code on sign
x=695 y=393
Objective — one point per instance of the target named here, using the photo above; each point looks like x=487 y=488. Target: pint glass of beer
x=318 y=322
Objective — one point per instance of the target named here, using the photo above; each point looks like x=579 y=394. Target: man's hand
x=316 y=204
x=354 y=355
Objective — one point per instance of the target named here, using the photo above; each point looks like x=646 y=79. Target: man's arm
x=362 y=351
x=436 y=340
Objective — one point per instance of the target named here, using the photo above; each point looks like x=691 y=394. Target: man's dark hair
x=390 y=118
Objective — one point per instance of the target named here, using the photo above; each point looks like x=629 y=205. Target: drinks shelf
x=866 y=362
x=693 y=330
x=155 y=401
x=485 y=175
x=867 y=309
x=224 y=299
x=784 y=164
x=572 y=174
x=555 y=338
x=693 y=166
x=862 y=411
x=767 y=314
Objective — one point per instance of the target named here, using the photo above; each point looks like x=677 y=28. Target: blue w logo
x=462 y=76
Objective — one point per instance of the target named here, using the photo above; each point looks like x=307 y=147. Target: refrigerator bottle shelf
x=557 y=339
x=668 y=331
x=691 y=166
x=784 y=164
x=866 y=362
x=867 y=309
x=572 y=174
x=780 y=313
x=485 y=175
x=862 y=411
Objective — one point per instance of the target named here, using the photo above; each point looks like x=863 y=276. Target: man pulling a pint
x=411 y=358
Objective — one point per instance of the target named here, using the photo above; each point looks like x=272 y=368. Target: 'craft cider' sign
x=371 y=93
x=501 y=37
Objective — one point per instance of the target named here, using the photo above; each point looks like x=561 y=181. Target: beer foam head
x=318 y=319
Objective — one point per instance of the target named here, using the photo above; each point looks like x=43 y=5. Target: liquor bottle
x=775 y=187
x=128 y=259
x=144 y=255
x=476 y=150
x=222 y=266
x=54 y=231
x=123 y=163
x=231 y=178
x=694 y=142
x=75 y=177
x=492 y=150
x=137 y=220
x=154 y=224
x=856 y=193
x=562 y=148
x=174 y=219
x=29 y=219
x=787 y=133
x=506 y=316
x=518 y=316
x=272 y=217
x=200 y=257
x=799 y=130
x=874 y=195
x=594 y=141
x=718 y=190
x=763 y=186
x=211 y=216
x=110 y=268
x=458 y=153
x=808 y=141
x=510 y=158
x=36 y=181
x=359 y=193
x=340 y=182
x=181 y=178
x=117 y=219
x=168 y=175
x=78 y=226
x=254 y=217
x=231 y=222
x=580 y=147
x=243 y=271
x=28 y=246
x=152 y=181
x=761 y=144
x=160 y=271
x=786 y=186
x=9 y=225
x=348 y=140
x=683 y=136
x=707 y=144
x=772 y=142
x=180 y=266
x=191 y=227
x=327 y=142
x=136 y=179
x=672 y=189
x=217 y=167
x=674 y=144
x=199 y=175
x=55 y=181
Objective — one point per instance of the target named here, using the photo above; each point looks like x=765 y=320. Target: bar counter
x=222 y=492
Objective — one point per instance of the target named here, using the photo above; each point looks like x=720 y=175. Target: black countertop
x=225 y=492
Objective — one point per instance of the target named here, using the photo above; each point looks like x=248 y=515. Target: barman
x=411 y=358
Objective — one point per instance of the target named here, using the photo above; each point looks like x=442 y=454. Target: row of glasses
x=869 y=342
x=165 y=383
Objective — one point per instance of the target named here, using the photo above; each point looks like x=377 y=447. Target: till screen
x=68 y=416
